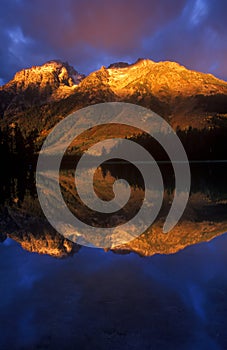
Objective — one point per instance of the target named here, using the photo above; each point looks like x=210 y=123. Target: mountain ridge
x=53 y=80
x=41 y=96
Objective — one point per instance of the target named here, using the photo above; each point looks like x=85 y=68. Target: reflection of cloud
x=111 y=301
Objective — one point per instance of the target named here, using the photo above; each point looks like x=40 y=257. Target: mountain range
x=40 y=96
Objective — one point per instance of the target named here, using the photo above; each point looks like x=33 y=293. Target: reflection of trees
x=17 y=163
x=206 y=178
x=123 y=170
x=15 y=184
x=103 y=187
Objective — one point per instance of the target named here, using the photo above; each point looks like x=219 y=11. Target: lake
x=156 y=292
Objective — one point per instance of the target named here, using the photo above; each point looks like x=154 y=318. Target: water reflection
x=96 y=300
x=204 y=218
x=100 y=300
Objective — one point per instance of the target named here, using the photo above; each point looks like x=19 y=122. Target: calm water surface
x=94 y=299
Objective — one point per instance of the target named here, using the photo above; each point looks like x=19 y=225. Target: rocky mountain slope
x=38 y=85
x=192 y=102
x=184 y=97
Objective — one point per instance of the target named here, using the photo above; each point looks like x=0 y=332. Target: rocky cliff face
x=38 y=85
x=54 y=73
x=162 y=79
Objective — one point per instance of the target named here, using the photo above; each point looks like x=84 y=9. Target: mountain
x=38 y=85
x=167 y=86
x=185 y=98
x=39 y=97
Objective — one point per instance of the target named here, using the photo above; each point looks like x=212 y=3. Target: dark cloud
x=197 y=38
x=89 y=33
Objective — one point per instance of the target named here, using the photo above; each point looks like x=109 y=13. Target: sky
x=92 y=33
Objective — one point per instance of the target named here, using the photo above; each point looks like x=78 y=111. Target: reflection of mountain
x=202 y=221
x=33 y=233
x=204 y=218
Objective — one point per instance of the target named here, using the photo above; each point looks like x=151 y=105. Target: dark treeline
x=17 y=165
x=15 y=148
x=205 y=144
